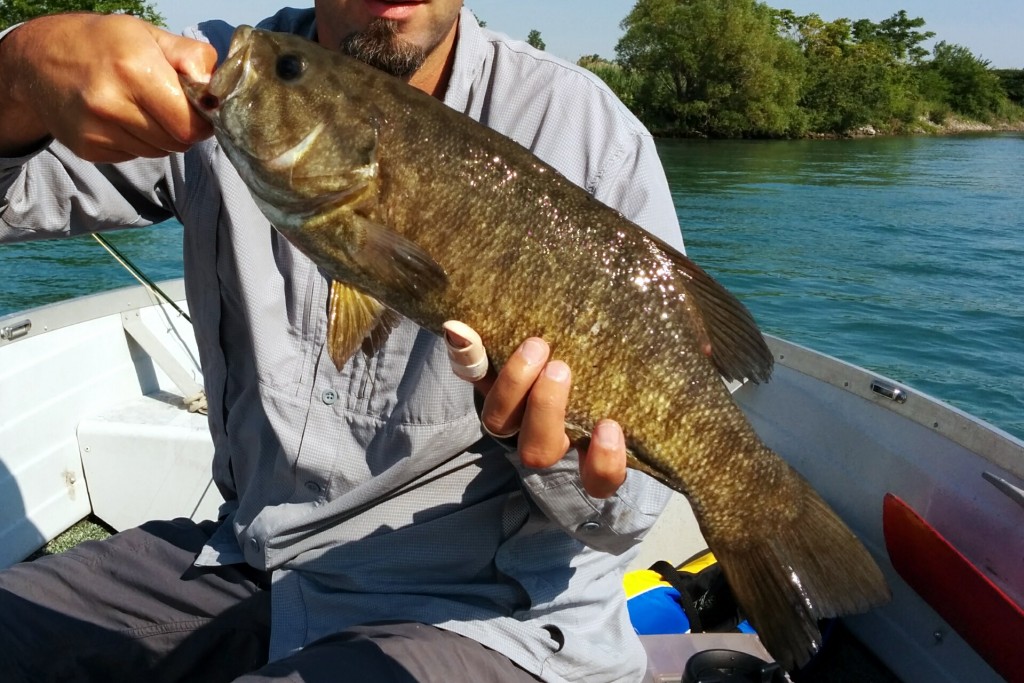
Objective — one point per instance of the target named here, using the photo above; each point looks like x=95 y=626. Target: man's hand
x=104 y=85
x=529 y=397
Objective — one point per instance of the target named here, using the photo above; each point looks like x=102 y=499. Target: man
x=371 y=530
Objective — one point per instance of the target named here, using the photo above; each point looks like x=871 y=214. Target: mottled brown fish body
x=415 y=208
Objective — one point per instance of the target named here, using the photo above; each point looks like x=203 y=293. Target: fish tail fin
x=811 y=568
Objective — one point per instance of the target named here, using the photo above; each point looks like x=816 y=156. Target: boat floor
x=844 y=659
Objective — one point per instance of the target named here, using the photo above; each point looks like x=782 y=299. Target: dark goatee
x=380 y=46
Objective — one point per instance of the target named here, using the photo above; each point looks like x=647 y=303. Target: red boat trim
x=984 y=616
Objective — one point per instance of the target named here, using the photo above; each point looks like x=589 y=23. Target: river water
x=902 y=255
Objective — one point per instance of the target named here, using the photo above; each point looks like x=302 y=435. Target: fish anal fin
x=638 y=464
x=726 y=331
x=353 y=317
x=811 y=567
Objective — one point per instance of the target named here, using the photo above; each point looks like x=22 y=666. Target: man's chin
x=381 y=46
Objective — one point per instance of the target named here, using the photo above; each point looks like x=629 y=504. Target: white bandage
x=469 y=360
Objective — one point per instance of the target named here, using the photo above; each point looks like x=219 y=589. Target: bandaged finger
x=465 y=351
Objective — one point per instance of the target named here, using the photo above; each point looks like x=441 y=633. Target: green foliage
x=898 y=35
x=970 y=86
x=739 y=68
x=90 y=529
x=712 y=67
x=534 y=39
x=15 y=11
x=1012 y=81
x=854 y=81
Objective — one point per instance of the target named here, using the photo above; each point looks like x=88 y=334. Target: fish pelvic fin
x=813 y=568
x=355 y=319
x=728 y=333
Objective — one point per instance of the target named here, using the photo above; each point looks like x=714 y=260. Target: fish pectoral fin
x=727 y=331
x=355 y=319
x=397 y=264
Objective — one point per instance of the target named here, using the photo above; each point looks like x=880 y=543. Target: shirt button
x=313 y=487
x=590 y=526
x=254 y=545
x=329 y=396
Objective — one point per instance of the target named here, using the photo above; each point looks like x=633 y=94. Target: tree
x=898 y=34
x=14 y=11
x=535 y=40
x=1012 y=81
x=971 y=87
x=712 y=67
x=853 y=81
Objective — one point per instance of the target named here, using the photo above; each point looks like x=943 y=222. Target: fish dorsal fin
x=728 y=333
x=355 y=319
x=398 y=265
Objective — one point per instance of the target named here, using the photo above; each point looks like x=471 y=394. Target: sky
x=992 y=30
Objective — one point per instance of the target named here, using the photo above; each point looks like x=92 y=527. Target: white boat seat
x=148 y=458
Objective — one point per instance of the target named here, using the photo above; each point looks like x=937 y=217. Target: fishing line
x=138 y=274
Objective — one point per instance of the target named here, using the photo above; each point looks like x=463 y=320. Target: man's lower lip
x=391 y=10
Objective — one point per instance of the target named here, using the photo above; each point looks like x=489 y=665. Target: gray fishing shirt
x=371 y=492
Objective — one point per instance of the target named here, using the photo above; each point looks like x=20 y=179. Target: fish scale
x=414 y=209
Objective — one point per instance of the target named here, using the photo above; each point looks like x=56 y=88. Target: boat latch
x=889 y=390
x=15 y=331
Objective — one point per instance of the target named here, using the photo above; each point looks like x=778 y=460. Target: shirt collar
x=470 y=53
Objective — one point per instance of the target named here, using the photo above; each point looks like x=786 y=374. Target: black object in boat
x=730 y=666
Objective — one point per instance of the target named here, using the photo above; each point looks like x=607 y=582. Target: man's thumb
x=192 y=58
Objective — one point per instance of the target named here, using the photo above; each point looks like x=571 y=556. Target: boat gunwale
x=88 y=307
x=982 y=438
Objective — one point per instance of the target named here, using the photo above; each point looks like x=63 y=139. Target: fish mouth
x=208 y=98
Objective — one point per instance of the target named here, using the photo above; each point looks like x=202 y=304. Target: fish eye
x=290 y=67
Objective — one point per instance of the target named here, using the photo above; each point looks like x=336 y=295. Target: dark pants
x=133 y=608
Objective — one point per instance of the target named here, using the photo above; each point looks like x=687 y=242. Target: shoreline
x=953 y=125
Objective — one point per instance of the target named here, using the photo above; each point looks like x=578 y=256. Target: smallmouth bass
x=414 y=209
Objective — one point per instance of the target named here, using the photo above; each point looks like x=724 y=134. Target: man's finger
x=603 y=466
x=542 y=441
x=467 y=354
x=104 y=142
x=191 y=58
x=505 y=402
x=165 y=100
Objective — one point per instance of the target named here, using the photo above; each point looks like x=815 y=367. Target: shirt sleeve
x=613 y=524
x=636 y=185
x=52 y=193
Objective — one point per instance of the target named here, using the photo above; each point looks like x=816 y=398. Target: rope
x=196 y=403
